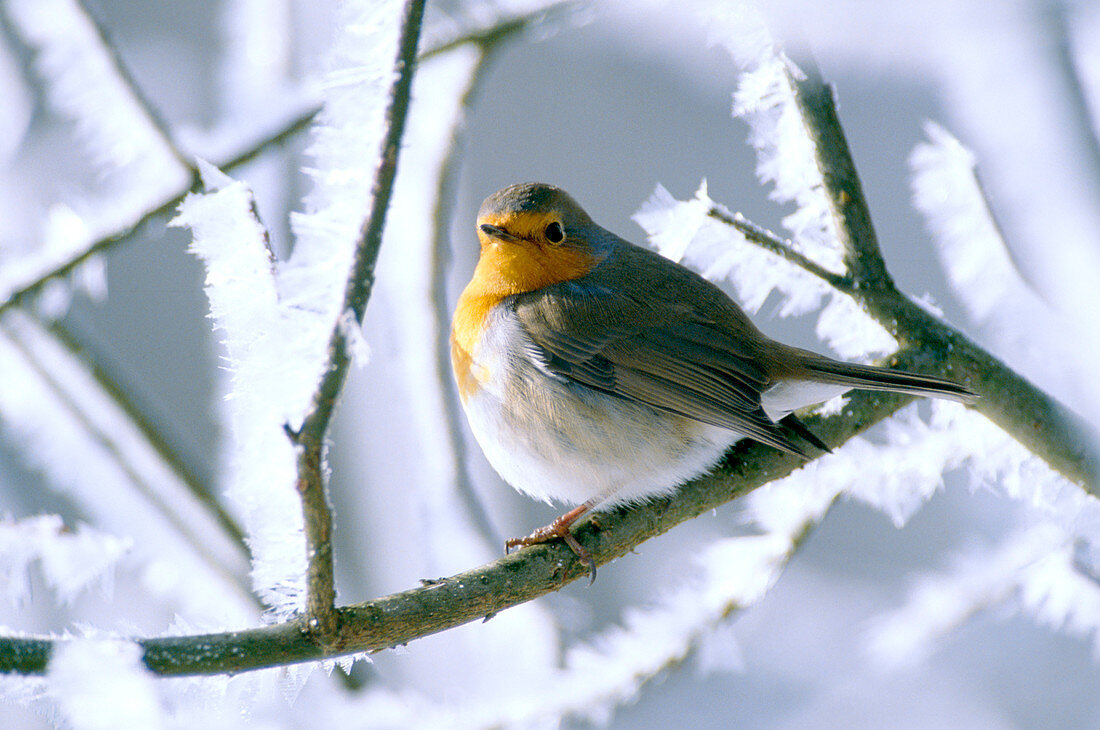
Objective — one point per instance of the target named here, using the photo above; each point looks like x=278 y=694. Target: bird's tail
x=870 y=377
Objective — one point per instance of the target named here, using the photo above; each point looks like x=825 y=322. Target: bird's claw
x=551 y=532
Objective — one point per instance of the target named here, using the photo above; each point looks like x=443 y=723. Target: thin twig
x=769 y=241
x=153 y=115
x=112 y=389
x=816 y=104
x=168 y=207
x=509 y=581
x=110 y=444
x=310 y=438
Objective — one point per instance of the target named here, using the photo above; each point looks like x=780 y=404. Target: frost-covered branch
x=153 y=116
x=310 y=438
x=485 y=591
x=112 y=389
x=1047 y=427
x=843 y=190
x=25 y=292
x=1062 y=438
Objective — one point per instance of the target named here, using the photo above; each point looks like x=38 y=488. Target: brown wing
x=664 y=354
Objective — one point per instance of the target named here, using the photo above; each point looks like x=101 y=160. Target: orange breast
x=466 y=329
x=504 y=269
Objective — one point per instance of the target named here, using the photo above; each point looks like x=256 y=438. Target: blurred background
x=606 y=101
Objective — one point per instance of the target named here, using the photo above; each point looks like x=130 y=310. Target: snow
x=141 y=170
x=102 y=685
x=71 y=561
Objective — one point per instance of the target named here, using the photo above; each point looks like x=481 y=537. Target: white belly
x=559 y=441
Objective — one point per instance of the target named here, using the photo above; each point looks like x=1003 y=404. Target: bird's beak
x=497 y=232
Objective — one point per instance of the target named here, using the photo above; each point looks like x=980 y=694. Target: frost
x=103 y=685
x=70 y=561
x=89 y=450
x=688 y=232
x=1057 y=348
x=785 y=152
x=352 y=331
x=278 y=317
x=903 y=470
x=83 y=84
x=271 y=380
x=1032 y=568
x=946 y=191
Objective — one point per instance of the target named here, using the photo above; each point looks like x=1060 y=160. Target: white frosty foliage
x=785 y=153
x=346 y=144
x=1045 y=343
x=70 y=561
x=87 y=448
x=278 y=317
x=946 y=191
x=1032 y=569
x=685 y=231
x=83 y=84
x=103 y=685
x=899 y=474
x=904 y=468
x=271 y=381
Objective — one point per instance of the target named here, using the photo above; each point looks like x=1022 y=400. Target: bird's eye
x=554 y=233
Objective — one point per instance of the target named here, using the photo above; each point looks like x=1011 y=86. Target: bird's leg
x=560 y=528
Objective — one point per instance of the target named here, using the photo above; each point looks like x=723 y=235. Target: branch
x=483 y=38
x=112 y=389
x=109 y=442
x=156 y=120
x=481 y=593
x=310 y=438
x=769 y=241
x=1046 y=427
x=849 y=208
x=1067 y=442
x=168 y=207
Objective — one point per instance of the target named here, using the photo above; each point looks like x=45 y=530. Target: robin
x=598 y=373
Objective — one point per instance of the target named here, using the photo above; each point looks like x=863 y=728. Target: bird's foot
x=559 y=528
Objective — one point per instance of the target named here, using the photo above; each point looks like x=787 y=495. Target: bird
x=598 y=373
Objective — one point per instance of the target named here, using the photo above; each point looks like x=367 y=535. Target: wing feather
x=671 y=358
